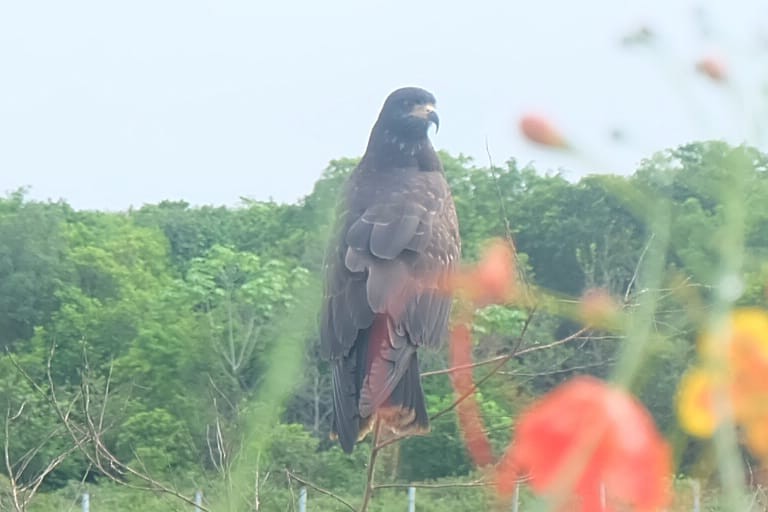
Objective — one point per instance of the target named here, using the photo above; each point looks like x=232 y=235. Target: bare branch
x=501 y=362
x=637 y=268
x=506 y=357
x=87 y=437
x=22 y=493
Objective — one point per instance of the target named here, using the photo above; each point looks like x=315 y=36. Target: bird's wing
x=392 y=258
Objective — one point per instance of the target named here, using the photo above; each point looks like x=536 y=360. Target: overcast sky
x=113 y=104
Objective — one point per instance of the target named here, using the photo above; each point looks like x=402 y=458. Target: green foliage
x=156 y=440
x=31 y=265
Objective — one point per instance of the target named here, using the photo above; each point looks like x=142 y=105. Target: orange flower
x=584 y=435
x=470 y=420
x=756 y=435
x=538 y=129
x=713 y=67
x=492 y=280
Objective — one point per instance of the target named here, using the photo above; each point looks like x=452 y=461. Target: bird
x=392 y=250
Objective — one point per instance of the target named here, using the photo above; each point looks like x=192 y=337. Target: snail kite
x=395 y=243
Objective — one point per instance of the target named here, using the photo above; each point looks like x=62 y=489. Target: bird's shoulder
x=397 y=186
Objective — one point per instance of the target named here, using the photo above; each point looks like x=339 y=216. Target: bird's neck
x=387 y=150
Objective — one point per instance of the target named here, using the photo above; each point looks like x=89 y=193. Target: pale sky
x=113 y=104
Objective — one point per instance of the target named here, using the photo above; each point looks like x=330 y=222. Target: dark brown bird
x=395 y=244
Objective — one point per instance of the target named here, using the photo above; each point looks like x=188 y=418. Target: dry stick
x=375 y=447
x=570 y=369
x=290 y=489
x=637 y=268
x=502 y=206
x=524 y=330
x=319 y=489
x=475 y=386
x=9 y=467
x=22 y=494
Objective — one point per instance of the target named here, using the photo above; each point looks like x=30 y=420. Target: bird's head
x=408 y=112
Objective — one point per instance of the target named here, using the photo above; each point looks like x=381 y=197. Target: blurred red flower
x=539 y=129
x=586 y=436
x=713 y=67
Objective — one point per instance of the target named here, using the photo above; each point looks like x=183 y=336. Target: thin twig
x=637 y=268
x=501 y=362
x=494 y=359
x=524 y=329
x=319 y=489
x=555 y=343
x=560 y=370
x=502 y=205
x=290 y=489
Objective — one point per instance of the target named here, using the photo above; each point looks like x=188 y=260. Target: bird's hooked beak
x=427 y=111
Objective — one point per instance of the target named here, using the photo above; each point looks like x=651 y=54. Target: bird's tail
x=405 y=411
x=379 y=378
x=392 y=389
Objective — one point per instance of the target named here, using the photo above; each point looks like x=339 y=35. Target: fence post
x=86 y=502
x=303 y=499
x=696 y=488
x=516 y=498
x=198 y=500
x=411 y=499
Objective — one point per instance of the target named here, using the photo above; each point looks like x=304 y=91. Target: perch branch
x=369 y=486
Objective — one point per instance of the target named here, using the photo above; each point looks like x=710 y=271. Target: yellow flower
x=736 y=358
x=695 y=403
x=746 y=330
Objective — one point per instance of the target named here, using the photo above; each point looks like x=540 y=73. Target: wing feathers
x=389 y=240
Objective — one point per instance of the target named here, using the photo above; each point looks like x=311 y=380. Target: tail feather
x=405 y=411
x=380 y=377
